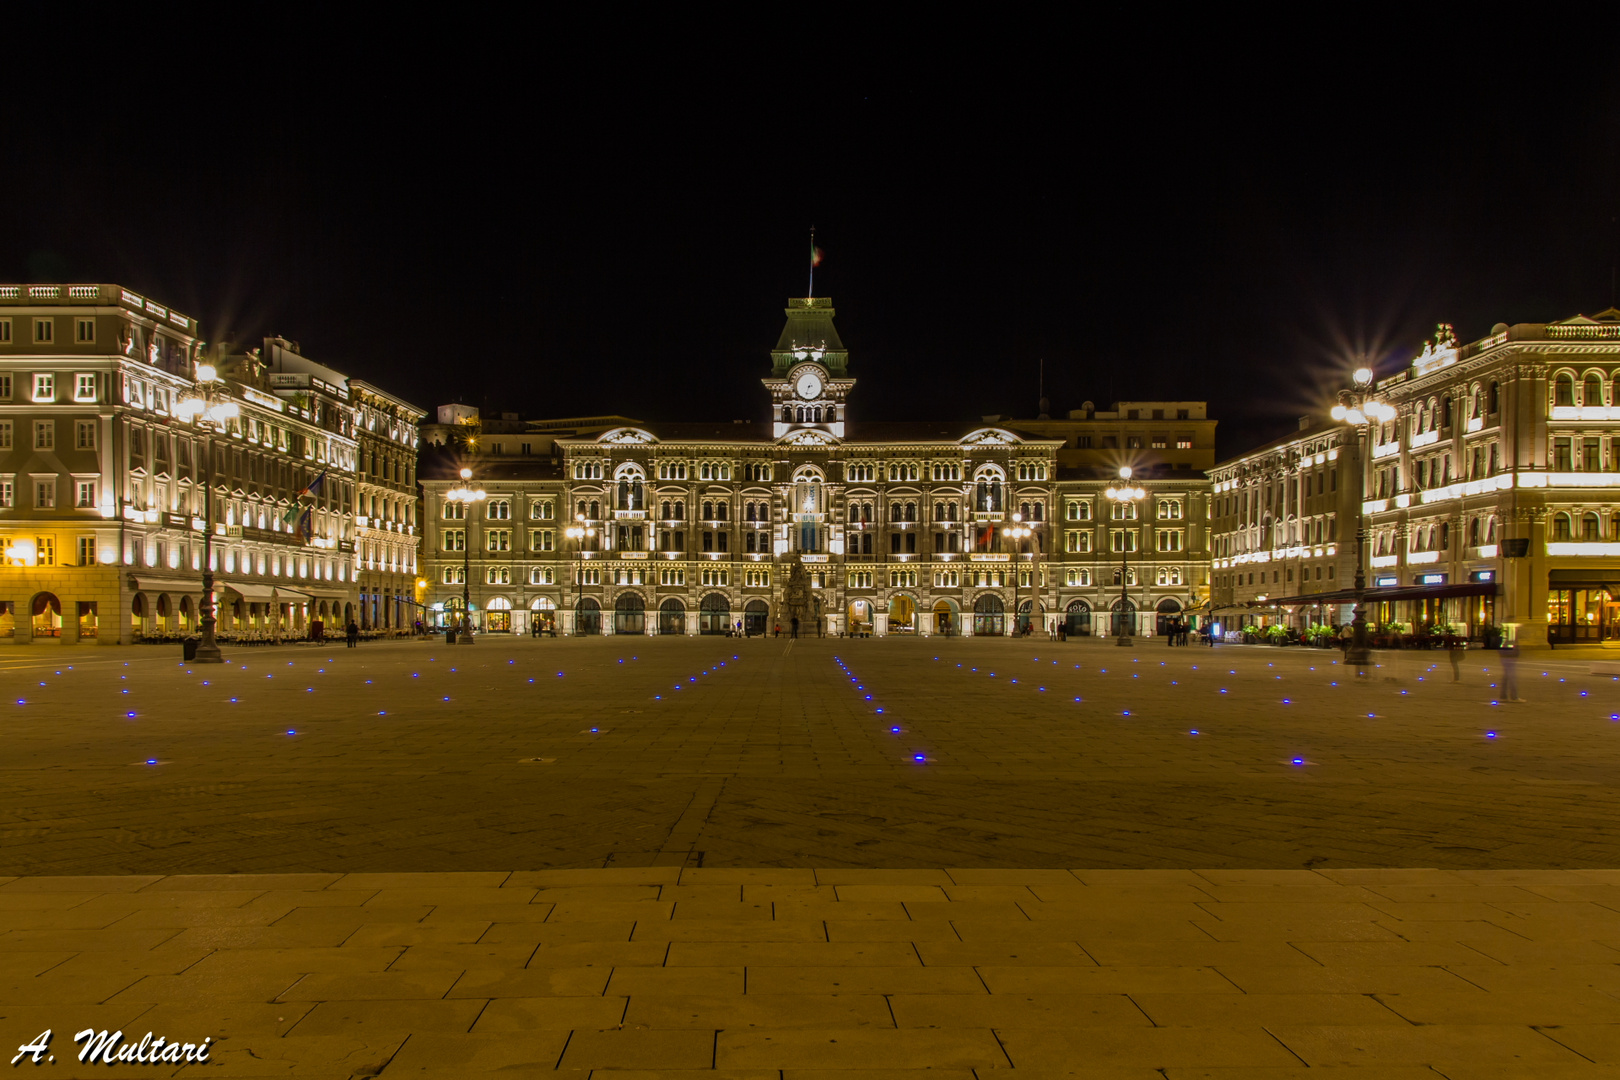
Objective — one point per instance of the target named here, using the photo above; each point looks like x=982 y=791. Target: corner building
x=845 y=526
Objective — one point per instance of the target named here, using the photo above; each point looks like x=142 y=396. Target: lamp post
x=1016 y=533
x=1359 y=408
x=210 y=399
x=1124 y=496
x=577 y=533
x=468 y=496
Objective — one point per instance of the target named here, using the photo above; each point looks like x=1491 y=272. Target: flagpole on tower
x=812 y=291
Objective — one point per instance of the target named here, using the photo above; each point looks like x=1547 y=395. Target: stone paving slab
x=638 y=994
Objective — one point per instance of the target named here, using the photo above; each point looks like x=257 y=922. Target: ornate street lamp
x=210 y=400
x=1017 y=533
x=467 y=495
x=1125 y=496
x=578 y=533
x=1360 y=409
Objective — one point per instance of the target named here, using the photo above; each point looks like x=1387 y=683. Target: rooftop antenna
x=815 y=261
x=1045 y=406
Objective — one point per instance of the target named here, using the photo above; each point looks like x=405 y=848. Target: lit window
x=84 y=494
x=45 y=493
x=84 y=435
x=44 y=434
x=44 y=386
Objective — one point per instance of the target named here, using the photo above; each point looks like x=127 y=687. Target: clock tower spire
x=809 y=373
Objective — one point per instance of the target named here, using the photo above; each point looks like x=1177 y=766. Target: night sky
x=614 y=235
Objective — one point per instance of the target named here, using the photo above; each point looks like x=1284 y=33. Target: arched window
x=1561 y=527
x=787 y=414
x=1023 y=511
x=1490 y=531
x=596 y=510
x=1445 y=536
x=1492 y=399
x=708 y=511
x=665 y=510
x=1473 y=532
x=680 y=509
x=1564 y=389
x=1592 y=389
x=720 y=511
x=1434 y=415
x=1589 y=527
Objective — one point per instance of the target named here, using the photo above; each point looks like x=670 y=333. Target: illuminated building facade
x=105 y=476
x=1284 y=519
x=387 y=542
x=609 y=525
x=1502 y=470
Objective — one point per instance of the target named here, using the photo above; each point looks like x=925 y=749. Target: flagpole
x=812 y=293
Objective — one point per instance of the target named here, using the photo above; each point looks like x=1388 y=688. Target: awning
x=165 y=584
x=328 y=594
x=1393 y=592
x=262 y=593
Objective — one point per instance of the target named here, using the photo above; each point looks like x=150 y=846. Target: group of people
x=1178 y=632
x=317 y=632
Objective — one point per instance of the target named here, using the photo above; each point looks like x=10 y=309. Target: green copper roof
x=810 y=326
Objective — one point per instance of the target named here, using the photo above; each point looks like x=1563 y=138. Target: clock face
x=809 y=385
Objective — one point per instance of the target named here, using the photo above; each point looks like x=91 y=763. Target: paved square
x=522 y=755
x=661 y=858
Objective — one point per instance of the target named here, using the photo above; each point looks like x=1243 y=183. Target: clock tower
x=808 y=381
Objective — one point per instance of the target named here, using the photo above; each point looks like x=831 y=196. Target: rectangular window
x=45 y=494
x=1591 y=455
x=5 y=434
x=542 y=540
x=84 y=330
x=1563 y=455
x=84 y=387
x=84 y=494
x=1082 y=442
x=1169 y=540
x=44 y=387
x=87 y=551
x=5 y=332
x=1160 y=442
x=44 y=330
x=455 y=540
x=499 y=539
x=1184 y=442
x=45 y=550
x=1133 y=442
x=84 y=434
x=1124 y=540
x=44 y=434
x=7 y=493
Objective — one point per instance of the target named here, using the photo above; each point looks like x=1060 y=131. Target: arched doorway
x=1124 y=621
x=902 y=615
x=672 y=617
x=589 y=620
x=47 y=612
x=629 y=614
x=860 y=617
x=543 y=616
x=989 y=616
x=714 y=614
x=1167 y=613
x=498 y=616
x=755 y=617
x=185 y=613
x=1077 y=622
x=1026 y=612
x=945 y=618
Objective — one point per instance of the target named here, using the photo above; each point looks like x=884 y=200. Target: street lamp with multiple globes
x=1125 y=497
x=577 y=533
x=209 y=399
x=467 y=495
x=1360 y=409
x=1017 y=533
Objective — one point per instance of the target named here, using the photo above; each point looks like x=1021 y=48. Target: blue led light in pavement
x=1299 y=761
x=233 y=701
x=1194 y=731
x=1127 y=712
x=880 y=710
x=1287 y=702
x=895 y=730
x=1490 y=734
x=447 y=699
x=594 y=731
x=130 y=715
x=151 y=761
x=920 y=757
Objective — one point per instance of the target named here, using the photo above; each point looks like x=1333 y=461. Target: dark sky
x=527 y=229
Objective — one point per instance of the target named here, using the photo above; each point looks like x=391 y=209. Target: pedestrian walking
x=1457 y=650
x=793 y=627
x=1509 y=690
x=352 y=633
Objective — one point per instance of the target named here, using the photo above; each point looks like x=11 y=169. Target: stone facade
x=111 y=489
x=881 y=527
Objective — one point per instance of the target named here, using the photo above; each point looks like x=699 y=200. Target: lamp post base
x=208 y=653
x=1358 y=656
x=1123 y=639
x=464 y=637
